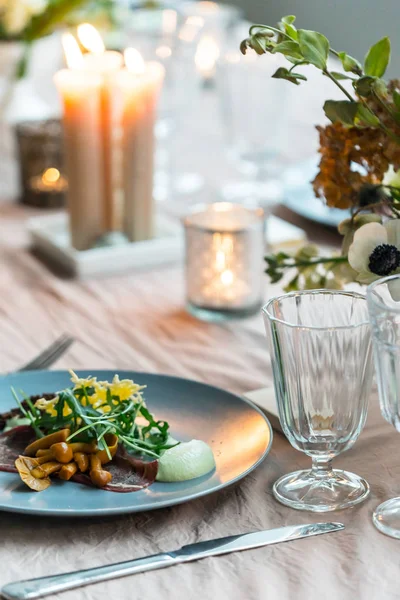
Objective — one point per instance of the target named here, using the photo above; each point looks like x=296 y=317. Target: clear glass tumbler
x=320 y=345
x=253 y=111
x=384 y=309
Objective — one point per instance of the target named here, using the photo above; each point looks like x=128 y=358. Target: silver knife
x=42 y=586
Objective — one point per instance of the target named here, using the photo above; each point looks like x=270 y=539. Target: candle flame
x=51 y=175
x=134 y=61
x=90 y=38
x=227 y=277
x=73 y=54
x=207 y=54
x=220 y=260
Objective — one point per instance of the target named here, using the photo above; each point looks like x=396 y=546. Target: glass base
x=335 y=490
x=386 y=518
x=219 y=315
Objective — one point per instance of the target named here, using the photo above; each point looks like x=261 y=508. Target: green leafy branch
x=304 y=47
x=311 y=270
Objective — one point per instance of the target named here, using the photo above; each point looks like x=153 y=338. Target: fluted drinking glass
x=384 y=309
x=320 y=345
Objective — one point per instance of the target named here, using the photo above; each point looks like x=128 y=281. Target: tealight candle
x=41 y=162
x=225 y=246
x=49 y=181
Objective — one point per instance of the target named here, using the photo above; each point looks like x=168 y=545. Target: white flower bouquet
x=360 y=158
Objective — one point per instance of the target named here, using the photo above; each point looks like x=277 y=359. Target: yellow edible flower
x=49 y=406
x=125 y=389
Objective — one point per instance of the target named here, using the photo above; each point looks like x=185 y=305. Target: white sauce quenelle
x=186 y=461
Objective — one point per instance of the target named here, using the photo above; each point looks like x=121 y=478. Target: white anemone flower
x=392 y=177
x=375 y=252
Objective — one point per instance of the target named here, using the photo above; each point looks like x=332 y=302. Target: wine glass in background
x=320 y=346
x=162 y=35
x=254 y=115
x=218 y=21
x=384 y=310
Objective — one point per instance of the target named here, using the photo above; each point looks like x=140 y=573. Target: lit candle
x=139 y=85
x=224 y=259
x=206 y=57
x=82 y=120
x=50 y=181
x=105 y=62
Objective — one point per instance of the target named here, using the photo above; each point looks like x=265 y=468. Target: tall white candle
x=105 y=62
x=81 y=96
x=139 y=86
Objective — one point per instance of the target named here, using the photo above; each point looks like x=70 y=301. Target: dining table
x=137 y=321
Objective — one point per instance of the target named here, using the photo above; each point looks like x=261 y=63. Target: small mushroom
x=42 y=471
x=62 y=452
x=48 y=457
x=82 y=447
x=112 y=442
x=42 y=452
x=25 y=466
x=99 y=477
x=82 y=460
x=47 y=441
x=68 y=471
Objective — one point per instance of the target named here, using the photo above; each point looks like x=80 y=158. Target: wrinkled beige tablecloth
x=137 y=321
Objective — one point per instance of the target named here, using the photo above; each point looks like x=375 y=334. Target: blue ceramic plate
x=298 y=195
x=239 y=434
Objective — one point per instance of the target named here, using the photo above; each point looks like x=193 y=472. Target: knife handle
x=29 y=589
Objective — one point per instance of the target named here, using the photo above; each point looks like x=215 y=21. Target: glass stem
x=321 y=468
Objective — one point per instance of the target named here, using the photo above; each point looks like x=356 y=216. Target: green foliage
x=304 y=47
x=349 y=63
x=314 y=47
x=55 y=14
x=283 y=73
x=310 y=269
x=286 y=25
x=365 y=85
x=396 y=99
x=344 y=111
x=340 y=76
x=365 y=117
x=147 y=437
x=289 y=48
x=358 y=109
x=377 y=58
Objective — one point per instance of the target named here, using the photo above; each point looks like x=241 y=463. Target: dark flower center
x=384 y=259
x=370 y=194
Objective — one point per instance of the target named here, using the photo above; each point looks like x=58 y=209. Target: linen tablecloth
x=137 y=321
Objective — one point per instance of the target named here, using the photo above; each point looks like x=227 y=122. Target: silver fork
x=49 y=356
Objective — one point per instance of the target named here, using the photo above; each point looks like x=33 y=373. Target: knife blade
x=37 y=588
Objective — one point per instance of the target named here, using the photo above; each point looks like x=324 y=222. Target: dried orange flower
x=342 y=148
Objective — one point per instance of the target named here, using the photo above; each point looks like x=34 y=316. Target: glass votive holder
x=225 y=245
x=40 y=153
